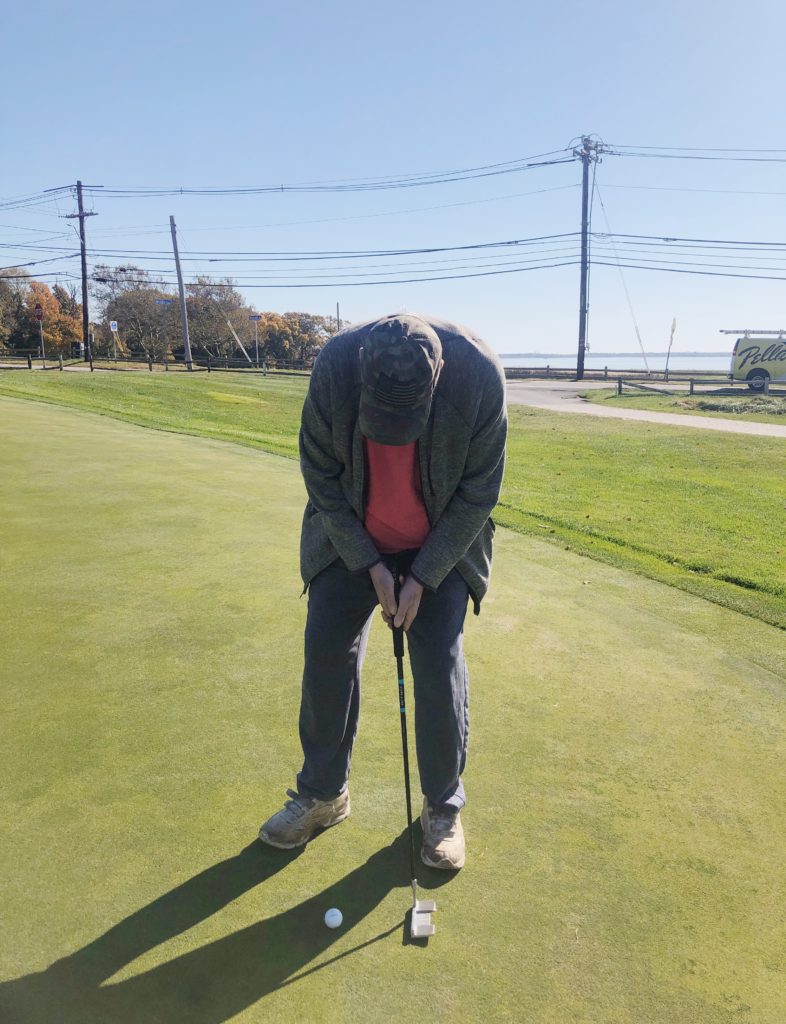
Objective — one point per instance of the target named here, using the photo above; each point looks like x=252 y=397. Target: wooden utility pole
x=585 y=162
x=183 y=311
x=589 y=153
x=85 y=315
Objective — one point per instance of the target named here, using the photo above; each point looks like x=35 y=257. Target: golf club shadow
x=213 y=983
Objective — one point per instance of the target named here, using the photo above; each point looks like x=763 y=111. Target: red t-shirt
x=395 y=513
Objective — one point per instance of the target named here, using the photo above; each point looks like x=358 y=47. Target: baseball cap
x=399 y=368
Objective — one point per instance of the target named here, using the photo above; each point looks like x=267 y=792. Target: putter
x=421 y=926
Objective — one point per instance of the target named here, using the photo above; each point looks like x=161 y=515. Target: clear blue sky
x=250 y=94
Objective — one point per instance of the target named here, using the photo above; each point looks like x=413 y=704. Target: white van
x=759 y=360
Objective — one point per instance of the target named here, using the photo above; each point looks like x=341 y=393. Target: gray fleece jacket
x=461 y=454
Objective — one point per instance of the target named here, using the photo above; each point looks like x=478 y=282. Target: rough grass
x=750 y=406
x=249 y=409
x=625 y=820
x=697 y=510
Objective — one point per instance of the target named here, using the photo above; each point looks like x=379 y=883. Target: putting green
x=625 y=820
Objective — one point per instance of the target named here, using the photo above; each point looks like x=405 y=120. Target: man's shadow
x=213 y=983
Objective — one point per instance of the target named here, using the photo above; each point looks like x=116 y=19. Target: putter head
x=422 y=927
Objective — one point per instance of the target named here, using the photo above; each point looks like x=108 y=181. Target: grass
x=753 y=407
x=259 y=411
x=625 y=823
x=696 y=510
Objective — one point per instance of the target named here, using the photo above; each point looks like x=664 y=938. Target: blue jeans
x=340 y=609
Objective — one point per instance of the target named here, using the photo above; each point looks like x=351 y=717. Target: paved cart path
x=563 y=397
x=625 y=820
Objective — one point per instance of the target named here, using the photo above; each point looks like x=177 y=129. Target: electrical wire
x=709 y=241
x=414 y=280
x=339 y=185
x=732 y=245
x=719 y=191
x=699 y=149
x=296 y=257
x=707 y=273
x=733 y=159
x=622 y=278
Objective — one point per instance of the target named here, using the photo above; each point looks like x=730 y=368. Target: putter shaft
x=420 y=926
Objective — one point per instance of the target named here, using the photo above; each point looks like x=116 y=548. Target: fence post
x=29 y=361
x=61 y=361
x=150 y=363
x=619 y=387
x=605 y=373
x=208 y=364
x=691 y=386
x=766 y=385
x=264 y=367
x=666 y=375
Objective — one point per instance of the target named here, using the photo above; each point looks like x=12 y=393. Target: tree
x=218 y=315
x=294 y=336
x=109 y=283
x=310 y=332
x=67 y=301
x=128 y=294
x=13 y=289
x=21 y=329
x=212 y=306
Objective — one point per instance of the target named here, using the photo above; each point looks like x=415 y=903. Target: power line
x=699 y=149
x=359 y=284
x=622 y=278
x=733 y=159
x=340 y=185
x=306 y=255
x=367 y=186
x=719 y=191
x=707 y=273
x=709 y=241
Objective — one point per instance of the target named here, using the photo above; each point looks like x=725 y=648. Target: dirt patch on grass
x=756 y=405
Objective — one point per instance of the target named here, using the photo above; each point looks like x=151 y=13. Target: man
x=402 y=449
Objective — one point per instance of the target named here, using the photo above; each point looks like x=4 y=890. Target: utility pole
x=85 y=316
x=338 y=317
x=183 y=313
x=589 y=153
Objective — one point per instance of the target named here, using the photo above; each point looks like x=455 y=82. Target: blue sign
x=257 y=317
x=113 y=326
x=163 y=302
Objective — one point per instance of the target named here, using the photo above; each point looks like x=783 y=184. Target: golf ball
x=333 y=918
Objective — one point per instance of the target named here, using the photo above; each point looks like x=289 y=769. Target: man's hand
x=408 y=602
x=382 y=578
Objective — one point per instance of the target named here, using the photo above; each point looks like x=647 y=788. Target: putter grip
x=398 y=631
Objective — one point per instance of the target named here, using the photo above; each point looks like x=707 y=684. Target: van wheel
x=757 y=379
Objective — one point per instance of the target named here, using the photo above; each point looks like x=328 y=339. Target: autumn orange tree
x=296 y=336
x=62 y=320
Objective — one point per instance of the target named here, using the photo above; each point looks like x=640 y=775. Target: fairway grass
x=693 y=509
x=625 y=815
